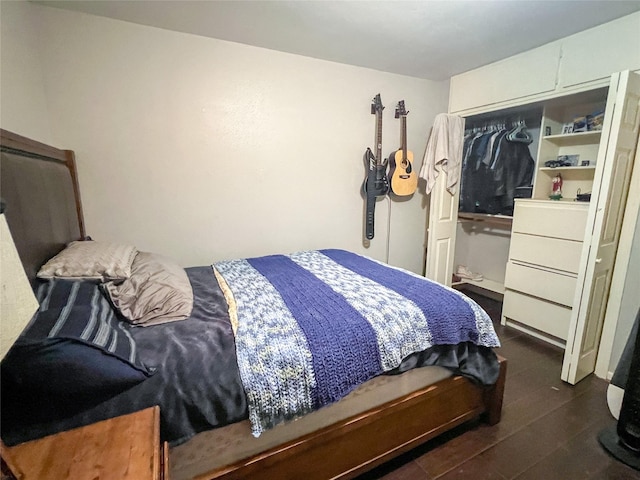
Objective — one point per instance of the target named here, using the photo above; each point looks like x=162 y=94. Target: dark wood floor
x=548 y=429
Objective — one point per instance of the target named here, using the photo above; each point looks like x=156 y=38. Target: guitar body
x=402 y=177
x=376 y=183
x=403 y=180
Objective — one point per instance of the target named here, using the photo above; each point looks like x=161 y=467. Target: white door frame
x=614 y=169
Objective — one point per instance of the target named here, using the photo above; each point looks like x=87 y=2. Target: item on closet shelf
x=557 y=163
x=569 y=160
x=463 y=272
x=567 y=128
x=594 y=121
x=579 y=124
x=556 y=188
x=583 y=197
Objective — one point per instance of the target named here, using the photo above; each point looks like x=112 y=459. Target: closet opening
x=557 y=264
x=498 y=166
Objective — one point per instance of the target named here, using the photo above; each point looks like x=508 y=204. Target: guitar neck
x=379 y=137
x=404 y=136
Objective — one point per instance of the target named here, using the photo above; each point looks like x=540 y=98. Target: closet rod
x=485 y=217
x=531 y=117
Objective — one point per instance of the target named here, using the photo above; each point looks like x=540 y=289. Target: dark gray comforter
x=197 y=383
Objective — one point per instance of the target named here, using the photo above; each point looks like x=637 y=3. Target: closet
x=553 y=259
x=491 y=164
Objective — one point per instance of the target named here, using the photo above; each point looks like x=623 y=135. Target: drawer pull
x=598 y=260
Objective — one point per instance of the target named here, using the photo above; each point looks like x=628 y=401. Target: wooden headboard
x=39 y=189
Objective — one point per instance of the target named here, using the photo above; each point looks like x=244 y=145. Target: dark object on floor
x=610 y=441
x=623 y=440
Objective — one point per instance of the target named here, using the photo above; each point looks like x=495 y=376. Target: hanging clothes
x=495 y=163
x=444 y=151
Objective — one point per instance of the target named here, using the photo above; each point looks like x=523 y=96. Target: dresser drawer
x=553 y=286
x=550 y=219
x=549 y=252
x=547 y=317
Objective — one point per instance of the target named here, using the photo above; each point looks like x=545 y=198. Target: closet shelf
x=572 y=139
x=485 y=217
x=574 y=168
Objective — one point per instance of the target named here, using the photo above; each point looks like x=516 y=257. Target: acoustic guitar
x=376 y=183
x=402 y=177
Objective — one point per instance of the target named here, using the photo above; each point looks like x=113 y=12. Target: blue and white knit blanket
x=312 y=326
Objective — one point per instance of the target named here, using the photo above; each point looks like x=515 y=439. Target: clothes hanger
x=520 y=134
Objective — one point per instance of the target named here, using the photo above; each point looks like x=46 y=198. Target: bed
x=209 y=425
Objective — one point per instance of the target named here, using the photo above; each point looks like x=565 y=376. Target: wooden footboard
x=493 y=395
x=349 y=448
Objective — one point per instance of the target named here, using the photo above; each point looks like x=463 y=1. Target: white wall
x=23 y=108
x=203 y=149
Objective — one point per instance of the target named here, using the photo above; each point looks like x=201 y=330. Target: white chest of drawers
x=544 y=258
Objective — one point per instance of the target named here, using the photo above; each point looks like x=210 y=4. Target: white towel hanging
x=444 y=151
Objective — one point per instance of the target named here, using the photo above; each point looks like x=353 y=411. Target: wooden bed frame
x=346 y=448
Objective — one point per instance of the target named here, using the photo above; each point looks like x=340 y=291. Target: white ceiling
x=432 y=39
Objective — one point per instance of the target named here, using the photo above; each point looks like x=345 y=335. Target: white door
x=441 y=233
x=608 y=198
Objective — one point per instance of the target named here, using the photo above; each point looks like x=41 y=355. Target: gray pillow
x=89 y=260
x=158 y=291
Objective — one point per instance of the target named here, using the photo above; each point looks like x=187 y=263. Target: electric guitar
x=376 y=183
x=402 y=177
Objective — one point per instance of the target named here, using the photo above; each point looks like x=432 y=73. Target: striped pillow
x=74 y=348
x=79 y=311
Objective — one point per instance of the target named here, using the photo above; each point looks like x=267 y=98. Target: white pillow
x=89 y=260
